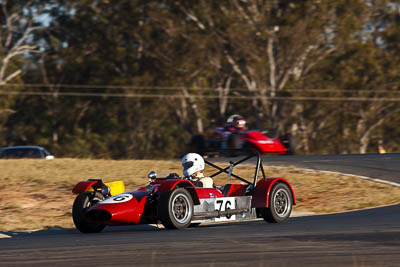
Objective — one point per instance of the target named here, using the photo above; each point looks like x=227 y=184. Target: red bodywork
x=255 y=138
x=134 y=204
x=129 y=212
x=83 y=186
x=261 y=192
x=264 y=144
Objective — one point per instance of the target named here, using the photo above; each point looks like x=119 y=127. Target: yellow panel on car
x=117 y=187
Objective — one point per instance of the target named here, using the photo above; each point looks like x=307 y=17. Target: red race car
x=179 y=203
x=234 y=135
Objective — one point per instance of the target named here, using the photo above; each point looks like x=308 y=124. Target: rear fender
x=262 y=190
x=116 y=187
x=83 y=186
x=167 y=186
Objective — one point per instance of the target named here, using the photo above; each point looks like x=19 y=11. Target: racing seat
x=197 y=184
x=234 y=190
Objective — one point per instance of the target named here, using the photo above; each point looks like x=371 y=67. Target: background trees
x=137 y=78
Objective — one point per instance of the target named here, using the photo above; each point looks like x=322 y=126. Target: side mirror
x=152 y=176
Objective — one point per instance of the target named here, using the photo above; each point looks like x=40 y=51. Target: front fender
x=262 y=190
x=126 y=208
x=169 y=185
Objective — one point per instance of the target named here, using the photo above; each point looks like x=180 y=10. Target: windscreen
x=21 y=153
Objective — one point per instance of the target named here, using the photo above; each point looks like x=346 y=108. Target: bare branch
x=7 y=110
x=191 y=16
x=319 y=59
x=243 y=13
x=251 y=86
x=15 y=47
x=27 y=32
x=10 y=77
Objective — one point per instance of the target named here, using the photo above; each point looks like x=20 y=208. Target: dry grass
x=37 y=193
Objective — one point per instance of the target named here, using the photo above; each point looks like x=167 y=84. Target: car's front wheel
x=175 y=209
x=82 y=202
x=280 y=204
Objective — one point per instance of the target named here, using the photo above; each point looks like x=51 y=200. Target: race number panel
x=223 y=204
x=211 y=205
x=117 y=199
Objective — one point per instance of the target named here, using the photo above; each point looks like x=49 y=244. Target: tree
x=19 y=20
x=180 y=67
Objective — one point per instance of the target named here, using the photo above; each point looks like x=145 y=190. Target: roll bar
x=229 y=169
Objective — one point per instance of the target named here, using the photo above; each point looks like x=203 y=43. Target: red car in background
x=235 y=136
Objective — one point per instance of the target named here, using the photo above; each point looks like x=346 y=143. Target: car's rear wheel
x=280 y=204
x=234 y=145
x=175 y=209
x=82 y=202
x=249 y=148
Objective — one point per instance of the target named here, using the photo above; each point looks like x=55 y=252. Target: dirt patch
x=36 y=194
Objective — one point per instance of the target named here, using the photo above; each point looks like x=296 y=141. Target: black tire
x=234 y=145
x=175 y=209
x=82 y=202
x=248 y=148
x=234 y=141
x=288 y=141
x=280 y=204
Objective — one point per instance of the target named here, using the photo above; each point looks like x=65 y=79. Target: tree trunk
x=196 y=111
x=364 y=131
x=223 y=92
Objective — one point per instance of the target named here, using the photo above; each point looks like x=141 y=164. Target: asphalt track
x=361 y=238
x=378 y=166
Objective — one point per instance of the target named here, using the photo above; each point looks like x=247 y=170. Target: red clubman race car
x=235 y=137
x=177 y=202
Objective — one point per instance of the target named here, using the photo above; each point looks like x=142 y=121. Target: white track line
x=4 y=236
x=356 y=176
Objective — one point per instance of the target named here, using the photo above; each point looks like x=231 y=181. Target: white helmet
x=192 y=163
x=236 y=121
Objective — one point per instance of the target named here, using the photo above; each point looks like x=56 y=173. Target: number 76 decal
x=223 y=204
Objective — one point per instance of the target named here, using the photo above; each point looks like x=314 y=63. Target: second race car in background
x=235 y=135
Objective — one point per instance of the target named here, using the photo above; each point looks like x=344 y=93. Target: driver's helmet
x=192 y=163
x=236 y=121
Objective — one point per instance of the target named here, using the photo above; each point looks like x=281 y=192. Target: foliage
x=135 y=79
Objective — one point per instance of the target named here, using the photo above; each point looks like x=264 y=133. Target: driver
x=193 y=166
x=236 y=123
